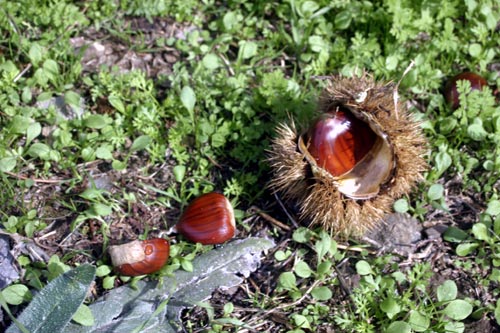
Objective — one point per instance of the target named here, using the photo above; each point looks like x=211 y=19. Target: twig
x=270 y=219
x=36 y=180
x=395 y=94
x=295 y=224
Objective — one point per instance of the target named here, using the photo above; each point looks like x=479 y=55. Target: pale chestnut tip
x=208 y=219
x=140 y=257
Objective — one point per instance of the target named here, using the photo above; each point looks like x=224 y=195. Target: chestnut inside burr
x=354 y=154
x=338 y=141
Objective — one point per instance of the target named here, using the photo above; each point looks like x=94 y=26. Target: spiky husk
x=318 y=198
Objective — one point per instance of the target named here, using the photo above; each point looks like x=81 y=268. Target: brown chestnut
x=338 y=141
x=350 y=150
x=477 y=82
x=140 y=257
x=208 y=219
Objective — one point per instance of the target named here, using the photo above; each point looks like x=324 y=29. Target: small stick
x=395 y=94
x=36 y=180
x=270 y=219
x=286 y=211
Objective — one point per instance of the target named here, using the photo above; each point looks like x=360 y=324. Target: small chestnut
x=208 y=219
x=477 y=82
x=140 y=257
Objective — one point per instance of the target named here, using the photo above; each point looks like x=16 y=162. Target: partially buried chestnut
x=208 y=219
x=477 y=82
x=345 y=168
x=140 y=257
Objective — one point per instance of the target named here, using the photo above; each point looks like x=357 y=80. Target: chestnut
x=348 y=152
x=477 y=82
x=208 y=219
x=140 y=257
x=338 y=141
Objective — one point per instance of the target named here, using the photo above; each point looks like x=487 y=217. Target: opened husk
x=356 y=201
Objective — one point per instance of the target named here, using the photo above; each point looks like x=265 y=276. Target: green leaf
x=343 y=20
x=33 y=131
x=465 y=249
x=419 y=322
x=454 y=234
x=321 y=293
x=458 y=309
x=16 y=294
x=435 y=192
x=35 y=53
x=19 y=124
x=103 y=152
x=51 y=67
x=287 y=281
x=108 y=282
x=454 y=327
x=179 y=172
x=103 y=270
x=83 y=316
x=140 y=143
x=398 y=327
x=117 y=103
x=363 y=268
x=302 y=235
x=7 y=164
x=302 y=269
x=118 y=165
x=96 y=121
x=248 y=49
x=391 y=62
x=447 y=291
x=390 y=306
x=475 y=50
x=188 y=98
x=324 y=268
x=211 y=61
x=72 y=98
x=301 y=321
x=477 y=132
x=318 y=44
x=230 y=20
x=401 y=205
x=101 y=209
x=38 y=149
x=493 y=208
x=480 y=231
x=52 y=309
x=323 y=245
x=443 y=162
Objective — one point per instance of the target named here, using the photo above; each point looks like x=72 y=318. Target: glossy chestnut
x=140 y=257
x=477 y=82
x=208 y=219
x=349 y=150
x=338 y=141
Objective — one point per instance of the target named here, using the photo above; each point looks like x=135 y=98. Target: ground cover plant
x=115 y=115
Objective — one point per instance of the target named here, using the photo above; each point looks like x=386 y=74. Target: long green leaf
x=52 y=309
